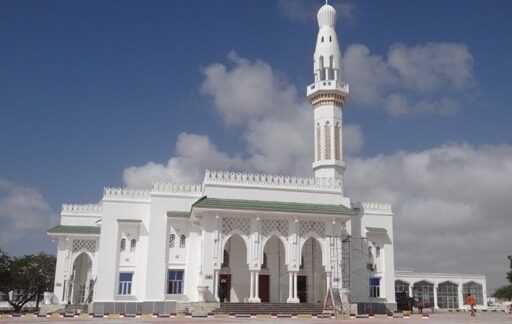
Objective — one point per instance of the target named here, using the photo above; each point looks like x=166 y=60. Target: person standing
x=471 y=301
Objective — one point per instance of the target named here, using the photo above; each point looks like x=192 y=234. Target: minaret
x=327 y=95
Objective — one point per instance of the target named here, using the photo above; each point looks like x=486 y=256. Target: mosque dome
x=326 y=16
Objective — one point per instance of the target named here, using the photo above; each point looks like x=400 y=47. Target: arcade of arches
x=445 y=294
x=273 y=282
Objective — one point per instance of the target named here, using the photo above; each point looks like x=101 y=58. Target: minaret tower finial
x=327 y=95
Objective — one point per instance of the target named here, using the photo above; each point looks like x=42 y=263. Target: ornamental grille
x=270 y=225
x=88 y=245
x=231 y=224
x=318 y=140
x=327 y=140
x=306 y=227
x=337 y=141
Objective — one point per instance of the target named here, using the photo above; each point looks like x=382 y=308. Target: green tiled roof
x=272 y=206
x=63 y=229
x=376 y=230
x=178 y=214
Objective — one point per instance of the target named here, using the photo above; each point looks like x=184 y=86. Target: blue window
x=125 y=283
x=374 y=287
x=175 y=282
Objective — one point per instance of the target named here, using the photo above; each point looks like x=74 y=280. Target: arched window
x=123 y=245
x=321 y=67
x=377 y=252
x=448 y=295
x=318 y=140
x=172 y=240
x=337 y=141
x=182 y=241
x=402 y=287
x=330 y=38
x=425 y=291
x=474 y=289
x=322 y=39
x=327 y=140
x=331 y=68
x=133 y=245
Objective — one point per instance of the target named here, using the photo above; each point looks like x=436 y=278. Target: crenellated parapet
x=177 y=189
x=126 y=194
x=82 y=209
x=271 y=181
x=379 y=208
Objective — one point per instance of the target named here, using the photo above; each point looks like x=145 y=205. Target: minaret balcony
x=327 y=86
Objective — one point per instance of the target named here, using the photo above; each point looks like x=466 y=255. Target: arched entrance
x=311 y=279
x=234 y=276
x=82 y=268
x=273 y=277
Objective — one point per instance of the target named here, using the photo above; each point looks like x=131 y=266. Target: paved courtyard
x=439 y=318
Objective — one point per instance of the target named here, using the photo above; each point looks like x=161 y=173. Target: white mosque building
x=239 y=237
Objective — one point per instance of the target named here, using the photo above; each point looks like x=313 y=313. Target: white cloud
x=302 y=10
x=451 y=205
x=276 y=125
x=24 y=214
x=428 y=79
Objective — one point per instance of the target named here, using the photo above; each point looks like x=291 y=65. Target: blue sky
x=89 y=89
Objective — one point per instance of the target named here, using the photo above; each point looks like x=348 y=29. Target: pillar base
x=293 y=300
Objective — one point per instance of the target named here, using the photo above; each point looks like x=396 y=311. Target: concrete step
x=269 y=308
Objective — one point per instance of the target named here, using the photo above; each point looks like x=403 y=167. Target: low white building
x=235 y=237
x=442 y=290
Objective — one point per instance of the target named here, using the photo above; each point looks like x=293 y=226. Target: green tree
x=28 y=277
x=504 y=292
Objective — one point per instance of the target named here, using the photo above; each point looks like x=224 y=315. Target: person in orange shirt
x=471 y=301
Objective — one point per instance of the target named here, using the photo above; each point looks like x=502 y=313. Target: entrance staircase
x=268 y=308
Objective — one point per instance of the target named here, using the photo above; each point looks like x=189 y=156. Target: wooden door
x=302 y=289
x=224 y=287
x=264 y=288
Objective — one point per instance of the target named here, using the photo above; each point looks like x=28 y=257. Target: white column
x=251 y=289
x=328 y=280
x=435 y=297
x=295 y=287
x=290 y=287
x=216 y=285
x=257 y=287
x=459 y=295
x=410 y=289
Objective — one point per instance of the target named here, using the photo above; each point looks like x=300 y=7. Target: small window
x=330 y=38
x=374 y=287
x=125 y=283
x=123 y=245
x=182 y=241
x=172 y=240
x=133 y=245
x=322 y=39
x=175 y=282
x=377 y=252
x=225 y=262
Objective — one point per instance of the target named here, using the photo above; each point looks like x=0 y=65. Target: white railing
x=271 y=181
x=82 y=209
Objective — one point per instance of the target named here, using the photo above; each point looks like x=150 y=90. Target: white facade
x=235 y=237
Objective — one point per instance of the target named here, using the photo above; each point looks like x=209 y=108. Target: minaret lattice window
x=123 y=245
x=327 y=140
x=318 y=141
x=172 y=240
x=337 y=141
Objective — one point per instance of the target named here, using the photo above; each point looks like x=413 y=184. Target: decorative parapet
x=126 y=194
x=178 y=189
x=376 y=207
x=271 y=181
x=83 y=209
